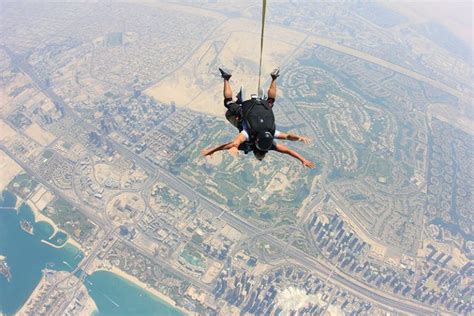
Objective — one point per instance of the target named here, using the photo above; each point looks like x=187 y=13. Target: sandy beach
x=33 y=297
x=40 y=217
x=144 y=286
x=89 y=305
x=71 y=241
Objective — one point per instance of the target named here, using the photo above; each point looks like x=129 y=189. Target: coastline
x=40 y=217
x=144 y=286
x=33 y=296
x=89 y=305
x=90 y=308
x=74 y=243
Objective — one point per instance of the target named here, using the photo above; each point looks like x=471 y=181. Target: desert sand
x=9 y=169
x=39 y=134
x=8 y=134
x=235 y=46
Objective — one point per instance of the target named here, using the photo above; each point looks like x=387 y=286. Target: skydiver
x=246 y=140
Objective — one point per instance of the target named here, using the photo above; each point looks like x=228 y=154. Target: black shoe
x=225 y=74
x=275 y=73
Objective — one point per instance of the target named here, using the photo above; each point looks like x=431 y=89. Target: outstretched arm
x=285 y=150
x=232 y=146
x=294 y=137
x=210 y=151
x=239 y=139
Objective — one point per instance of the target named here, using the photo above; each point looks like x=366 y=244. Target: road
x=320 y=268
x=94 y=217
x=306 y=260
x=83 y=265
x=331 y=44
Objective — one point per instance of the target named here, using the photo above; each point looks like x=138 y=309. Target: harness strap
x=246 y=115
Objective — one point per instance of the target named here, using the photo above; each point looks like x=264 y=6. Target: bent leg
x=272 y=91
x=227 y=95
x=227 y=90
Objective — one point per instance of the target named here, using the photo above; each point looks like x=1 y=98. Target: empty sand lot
x=9 y=169
x=235 y=46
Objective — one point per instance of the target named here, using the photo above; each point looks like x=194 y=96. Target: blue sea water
x=26 y=255
x=116 y=296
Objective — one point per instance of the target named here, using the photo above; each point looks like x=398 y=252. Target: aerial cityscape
x=108 y=206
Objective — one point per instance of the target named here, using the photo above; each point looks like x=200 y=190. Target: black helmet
x=264 y=141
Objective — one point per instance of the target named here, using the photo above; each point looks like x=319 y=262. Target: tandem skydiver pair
x=256 y=124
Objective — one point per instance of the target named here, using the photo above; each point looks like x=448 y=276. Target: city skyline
x=105 y=110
